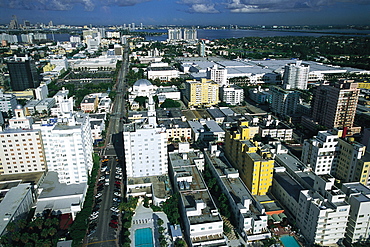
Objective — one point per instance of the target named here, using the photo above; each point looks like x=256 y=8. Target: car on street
x=98 y=195
x=113 y=225
x=117 y=194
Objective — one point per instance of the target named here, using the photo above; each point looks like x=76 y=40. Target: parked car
x=113 y=225
x=117 y=194
x=98 y=195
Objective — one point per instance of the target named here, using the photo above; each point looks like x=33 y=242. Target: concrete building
x=60 y=61
x=89 y=103
x=16 y=205
x=255 y=164
x=204 y=131
x=232 y=94
x=22 y=147
x=141 y=88
x=273 y=128
x=174 y=34
x=334 y=106
x=8 y=102
x=41 y=92
x=190 y=35
x=248 y=212
x=296 y=75
x=321 y=152
x=201 y=93
x=218 y=75
x=284 y=102
x=60 y=198
x=203 y=225
x=260 y=96
x=358 y=229
x=45 y=105
x=145 y=147
x=349 y=166
x=68 y=147
x=23 y=73
x=162 y=71
x=176 y=130
x=312 y=201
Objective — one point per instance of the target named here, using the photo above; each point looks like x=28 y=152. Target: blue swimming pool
x=289 y=241
x=144 y=237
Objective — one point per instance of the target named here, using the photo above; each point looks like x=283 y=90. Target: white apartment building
x=41 y=92
x=63 y=103
x=145 y=147
x=284 y=102
x=232 y=94
x=217 y=74
x=190 y=34
x=320 y=152
x=358 y=226
x=68 y=147
x=296 y=75
x=8 y=102
x=174 y=34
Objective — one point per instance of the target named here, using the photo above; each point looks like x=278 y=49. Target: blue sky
x=189 y=12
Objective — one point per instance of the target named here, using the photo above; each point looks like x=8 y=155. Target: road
x=104 y=235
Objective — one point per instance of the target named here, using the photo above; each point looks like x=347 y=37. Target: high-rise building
x=204 y=92
x=232 y=94
x=68 y=147
x=350 y=167
x=8 y=102
x=284 y=102
x=23 y=73
x=296 y=75
x=174 y=34
x=202 y=48
x=190 y=34
x=321 y=152
x=217 y=74
x=334 y=106
x=21 y=148
x=145 y=147
x=255 y=165
x=359 y=218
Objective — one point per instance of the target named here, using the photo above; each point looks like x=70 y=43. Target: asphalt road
x=105 y=236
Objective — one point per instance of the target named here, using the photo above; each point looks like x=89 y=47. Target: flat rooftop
x=289 y=184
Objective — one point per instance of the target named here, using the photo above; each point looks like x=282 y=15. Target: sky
x=188 y=12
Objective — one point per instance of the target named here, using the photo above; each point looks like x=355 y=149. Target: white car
x=117 y=194
x=98 y=195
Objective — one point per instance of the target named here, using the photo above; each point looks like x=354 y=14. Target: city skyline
x=188 y=12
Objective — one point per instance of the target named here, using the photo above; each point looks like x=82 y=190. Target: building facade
x=296 y=75
x=202 y=93
x=284 y=102
x=232 y=94
x=23 y=74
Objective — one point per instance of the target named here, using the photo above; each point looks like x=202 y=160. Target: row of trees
x=79 y=227
x=39 y=232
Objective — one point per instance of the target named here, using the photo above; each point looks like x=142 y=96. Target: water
x=289 y=241
x=232 y=33
x=144 y=237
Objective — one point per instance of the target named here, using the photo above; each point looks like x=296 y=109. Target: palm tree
x=52 y=231
x=44 y=232
x=16 y=236
x=22 y=223
x=25 y=237
x=38 y=222
x=34 y=237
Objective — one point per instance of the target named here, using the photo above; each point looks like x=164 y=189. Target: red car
x=117 y=182
x=113 y=225
x=114 y=222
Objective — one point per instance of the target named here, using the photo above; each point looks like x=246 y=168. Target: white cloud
x=200 y=6
x=58 y=5
x=253 y=6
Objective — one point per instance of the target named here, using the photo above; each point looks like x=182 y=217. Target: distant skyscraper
x=334 y=106
x=13 y=23
x=27 y=23
x=23 y=73
x=190 y=34
x=174 y=34
x=202 y=48
x=296 y=75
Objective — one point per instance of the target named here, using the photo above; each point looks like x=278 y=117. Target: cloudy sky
x=188 y=12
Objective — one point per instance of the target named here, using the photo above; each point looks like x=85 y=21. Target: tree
x=170 y=103
x=25 y=237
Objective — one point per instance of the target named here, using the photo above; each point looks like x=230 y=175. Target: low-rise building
x=249 y=213
x=203 y=225
x=162 y=71
x=232 y=94
x=89 y=103
x=8 y=102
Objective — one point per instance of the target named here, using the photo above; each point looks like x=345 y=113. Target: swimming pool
x=289 y=241
x=144 y=237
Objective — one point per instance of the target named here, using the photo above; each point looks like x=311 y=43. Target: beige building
x=201 y=93
x=21 y=148
x=89 y=104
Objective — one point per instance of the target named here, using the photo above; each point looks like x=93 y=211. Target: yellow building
x=201 y=93
x=254 y=164
x=48 y=67
x=365 y=85
x=353 y=162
